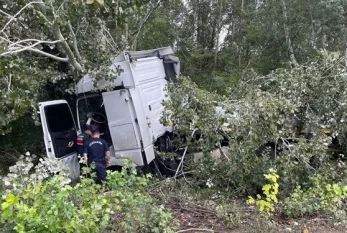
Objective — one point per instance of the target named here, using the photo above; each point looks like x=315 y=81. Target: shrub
x=39 y=202
x=138 y=212
x=266 y=205
x=321 y=196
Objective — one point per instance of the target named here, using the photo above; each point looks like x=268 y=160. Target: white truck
x=128 y=115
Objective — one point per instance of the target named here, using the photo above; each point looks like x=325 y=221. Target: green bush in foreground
x=321 y=196
x=35 y=203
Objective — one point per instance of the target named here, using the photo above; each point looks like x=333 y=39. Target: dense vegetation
x=277 y=68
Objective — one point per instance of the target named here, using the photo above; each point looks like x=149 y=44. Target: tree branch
x=34 y=40
x=74 y=40
x=109 y=34
x=13 y=50
x=9 y=83
x=4 y=13
x=23 y=8
x=133 y=46
x=32 y=49
x=71 y=58
x=43 y=17
x=194 y=229
x=286 y=32
x=63 y=59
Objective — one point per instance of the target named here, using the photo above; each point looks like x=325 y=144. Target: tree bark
x=286 y=33
x=219 y=27
x=242 y=39
x=345 y=34
x=65 y=46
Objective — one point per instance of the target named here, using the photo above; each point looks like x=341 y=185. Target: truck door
x=124 y=126
x=60 y=132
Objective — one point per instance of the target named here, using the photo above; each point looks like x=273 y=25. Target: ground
x=196 y=212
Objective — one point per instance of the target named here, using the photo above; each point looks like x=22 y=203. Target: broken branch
x=194 y=229
x=180 y=165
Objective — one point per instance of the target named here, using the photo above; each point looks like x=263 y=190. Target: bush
x=37 y=202
x=266 y=204
x=321 y=196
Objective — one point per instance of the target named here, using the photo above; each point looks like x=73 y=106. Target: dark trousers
x=100 y=170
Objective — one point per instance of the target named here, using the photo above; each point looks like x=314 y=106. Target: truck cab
x=127 y=110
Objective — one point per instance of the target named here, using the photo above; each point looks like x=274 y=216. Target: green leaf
x=19 y=228
x=90 y=1
x=12 y=199
x=5 y=205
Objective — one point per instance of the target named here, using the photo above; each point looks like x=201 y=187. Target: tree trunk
x=286 y=33
x=66 y=48
x=219 y=27
x=345 y=34
x=241 y=34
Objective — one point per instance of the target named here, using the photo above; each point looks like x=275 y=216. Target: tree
x=52 y=40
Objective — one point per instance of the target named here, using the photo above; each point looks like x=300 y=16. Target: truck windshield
x=87 y=105
x=94 y=106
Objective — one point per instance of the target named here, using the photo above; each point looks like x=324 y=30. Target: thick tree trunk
x=286 y=33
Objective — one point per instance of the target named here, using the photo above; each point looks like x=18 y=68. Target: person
x=83 y=138
x=96 y=151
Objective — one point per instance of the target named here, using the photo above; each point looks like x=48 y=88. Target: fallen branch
x=195 y=229
x=180 y=165
x=222 y=152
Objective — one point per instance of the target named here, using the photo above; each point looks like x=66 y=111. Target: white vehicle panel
x=122 y=125
x=60 y=145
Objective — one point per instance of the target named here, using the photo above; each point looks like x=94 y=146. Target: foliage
x=280 y=116
x=190 y=108
x=17 y=84
x=270 y=191
x=320 y=196
x=137 y=211
x=58 y=33
x=38 y=202
x=24 y=136
x=252 y=121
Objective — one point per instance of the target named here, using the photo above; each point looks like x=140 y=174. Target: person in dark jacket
x=82 y=138
x=96 y=151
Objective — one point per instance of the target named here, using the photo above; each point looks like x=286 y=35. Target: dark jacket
x=81 y=140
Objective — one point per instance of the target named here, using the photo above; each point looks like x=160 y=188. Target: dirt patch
x=193 y=217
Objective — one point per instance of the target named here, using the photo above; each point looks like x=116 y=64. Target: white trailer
x=128 y=115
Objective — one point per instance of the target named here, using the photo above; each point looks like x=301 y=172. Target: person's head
x=88 y=129
x=95 y=133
